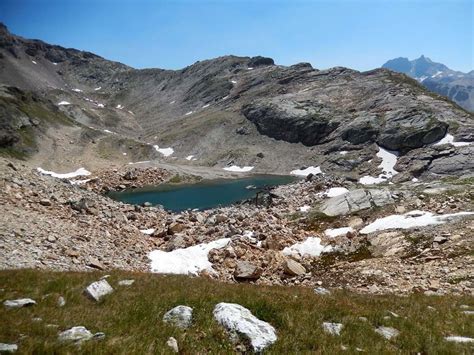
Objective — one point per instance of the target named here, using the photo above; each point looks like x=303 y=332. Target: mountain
x=228 y=110
x=438 y=78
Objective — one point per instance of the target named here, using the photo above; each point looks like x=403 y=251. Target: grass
x=131 y=316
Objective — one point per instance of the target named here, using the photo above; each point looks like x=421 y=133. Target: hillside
x=238 y=110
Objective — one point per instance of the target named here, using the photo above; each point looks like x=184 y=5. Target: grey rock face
x=179 y=316
x=18 y=303
x=97 y=290
x=355 y=200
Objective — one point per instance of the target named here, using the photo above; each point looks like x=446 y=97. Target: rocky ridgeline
x=48 y=223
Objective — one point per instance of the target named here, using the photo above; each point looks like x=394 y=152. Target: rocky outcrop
x=354 y=201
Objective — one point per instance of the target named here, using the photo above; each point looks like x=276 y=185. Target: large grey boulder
x=8 y=348
x=355 y=200
x=97 y=290
x=18 y=303
x=240 y=322
x=179 y=316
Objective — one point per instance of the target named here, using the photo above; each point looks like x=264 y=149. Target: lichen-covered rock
x=240 y=322
x=179 y=316
x=97 y=290
x=18 y=303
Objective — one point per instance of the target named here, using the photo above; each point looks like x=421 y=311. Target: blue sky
x=360 y=34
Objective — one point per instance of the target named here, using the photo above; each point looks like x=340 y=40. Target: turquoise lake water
x=202 y=195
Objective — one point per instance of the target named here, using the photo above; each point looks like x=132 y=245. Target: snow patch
x=96 y=89
x=77 y=90
x=101 y=105
x=449 y=139
x=191 y=157
x=410 y=220
x=233 y=82
x=185 y=261
x=331 y=233
x=311 y=247
x=119 y=107
x=34 y=62
x=188 y=113
x=164 y=151
x=459 y=339
x=78 y=172
x=206 y=106
x=343 y=152
x=238 y=169
x=305 y=172
x=305 y=208
x=335 y=191
x=389 y=159
x=148 y=231
x=63 y=103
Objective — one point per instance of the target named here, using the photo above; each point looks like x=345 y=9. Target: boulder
x=8 y=348
x=173 y=344
x=126 y=282
x=247 y=271
x=240 y=322
x=98 y=289
x=322 y=291
x=387 y=244
x=176 y=227
x=293 y=268
x=78 y=335
x=354 y=201
x=387 y=332
x=332 y=328
x=18 y=303
x=179 y=316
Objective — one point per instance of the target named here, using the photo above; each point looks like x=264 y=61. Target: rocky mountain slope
x=437 y=77
x=231 y=110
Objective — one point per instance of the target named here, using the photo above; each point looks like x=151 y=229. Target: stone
x=221 y=218
x=19 y=303
x=355 y=222
x=179 y=316
x=45 y=202
x=51 y=238
x=61 y=302
x=176 y=227
x=332 y=328
x=293 y=268
x=440 y=239
x=98 y=289
x=248 y=271
x=173 y=344
x=8 y=348
x=126 y=282
x=241 y=323
x=387 y=332
x=354 y=201
x=75 y=334
x=96 y=264
x=322 y=291
x=388 y=244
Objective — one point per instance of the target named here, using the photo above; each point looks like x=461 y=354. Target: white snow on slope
x=449 y=139
x=410 y=220
x=331 y=233
x=233 y=82
x=148 y=231
x=305 y=172
x=305 y=208
x=438 y=73
x=77 y=90
x=389 y=159
x=78 y=172
x=33 y=62
x=139 y=162
x=238 y=169
x=191 y=157
x=55 y=63
x=311 y=247
x=107 y=131
x=185 y=261
x=62 y=103
x=165 y=151
x=188 y=113
x=100 y=105
x=206 y=106
x=119 y=107
x=335 y=191
x=96 y=89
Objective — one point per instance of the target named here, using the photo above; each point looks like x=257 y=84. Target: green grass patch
x=131 y=317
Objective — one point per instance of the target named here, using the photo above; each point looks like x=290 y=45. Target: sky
x=171 y=34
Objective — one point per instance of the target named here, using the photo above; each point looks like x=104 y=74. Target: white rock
x=98 y=289
x=21 y=302
x=126 y=282
x=332 y=328
x=173 y=344
x=387 y=332
x=239 y=321
x=8 y=348
x=469 y=313
x=75 y=334
x=459 y=339
x=61 y=301
x=322 y=291
x=179 y=316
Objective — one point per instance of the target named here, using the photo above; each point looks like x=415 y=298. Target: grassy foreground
x=131 y=316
